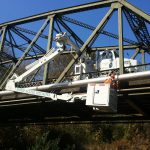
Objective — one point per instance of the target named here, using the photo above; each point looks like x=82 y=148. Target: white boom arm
x=61 y=40
x=42 y=61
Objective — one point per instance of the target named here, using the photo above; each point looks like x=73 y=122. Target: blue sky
x=16 y=9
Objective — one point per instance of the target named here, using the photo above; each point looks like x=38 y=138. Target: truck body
x=110 y=60
x=104 y=62
x=99 y=96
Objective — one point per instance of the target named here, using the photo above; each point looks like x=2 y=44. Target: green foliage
x=42 y=143
x=76 y=137
x=118 y=132
x=106 y=133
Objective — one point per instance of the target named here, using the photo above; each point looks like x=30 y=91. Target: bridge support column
x=120 y=33
x=49 y=46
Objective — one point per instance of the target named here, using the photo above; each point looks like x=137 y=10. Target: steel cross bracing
x=16 y=29
x=92 y=28
x=31 y=49
x=19 y=45
x=139 y=28
x=30 y=32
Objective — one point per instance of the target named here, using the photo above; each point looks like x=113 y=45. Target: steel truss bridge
x=27 y=39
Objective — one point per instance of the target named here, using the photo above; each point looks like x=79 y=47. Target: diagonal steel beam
x=25 y=52
x=94 y=33
x=27 y=39
x=59 y=28
x=22 y=49
x=1 y=31
x=34 y=75
x=10 y=44
x=9 y=57
x=49 y=46
x=139 y=28
x=135 y=54
x=30 y=32
x=2 y=38
x=73 y=34
x=137 y=11
x=11 y=41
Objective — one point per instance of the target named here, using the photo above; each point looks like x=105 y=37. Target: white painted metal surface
x=110 y=60
x=101 y=97
x=123 y=77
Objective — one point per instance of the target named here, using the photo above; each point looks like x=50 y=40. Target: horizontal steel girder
x=68 y=10
x=125 y=47
x=78 y=8
x=84 y=25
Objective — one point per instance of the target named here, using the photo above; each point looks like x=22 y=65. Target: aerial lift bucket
x=102 y=97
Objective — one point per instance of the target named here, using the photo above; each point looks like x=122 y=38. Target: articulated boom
x=108 y=94
x=61 y=40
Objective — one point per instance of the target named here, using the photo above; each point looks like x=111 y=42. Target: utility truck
x=110 y=60
x=104 y=62
x=100 y=96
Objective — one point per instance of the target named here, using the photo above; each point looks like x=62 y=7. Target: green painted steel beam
x=2 y=39
x=11 y=41
x=27 y=39
x=49 y=46
x=120 y=32
x=143 y=59
x=125 y=47
x=104 y=32
x=30 y=32
x=33 y=76
x=72 y=33
x=25 y=53
x=1 y=31
x=135 y=54
x=83 y=48
x=135 y=10
x=69 y=10
x=143 y=56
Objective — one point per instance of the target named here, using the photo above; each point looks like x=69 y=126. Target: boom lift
x=99 y=96
x=61 y=39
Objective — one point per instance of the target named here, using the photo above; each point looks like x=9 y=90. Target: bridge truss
x=25 y=40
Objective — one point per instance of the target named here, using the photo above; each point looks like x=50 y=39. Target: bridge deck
x=133 y=103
